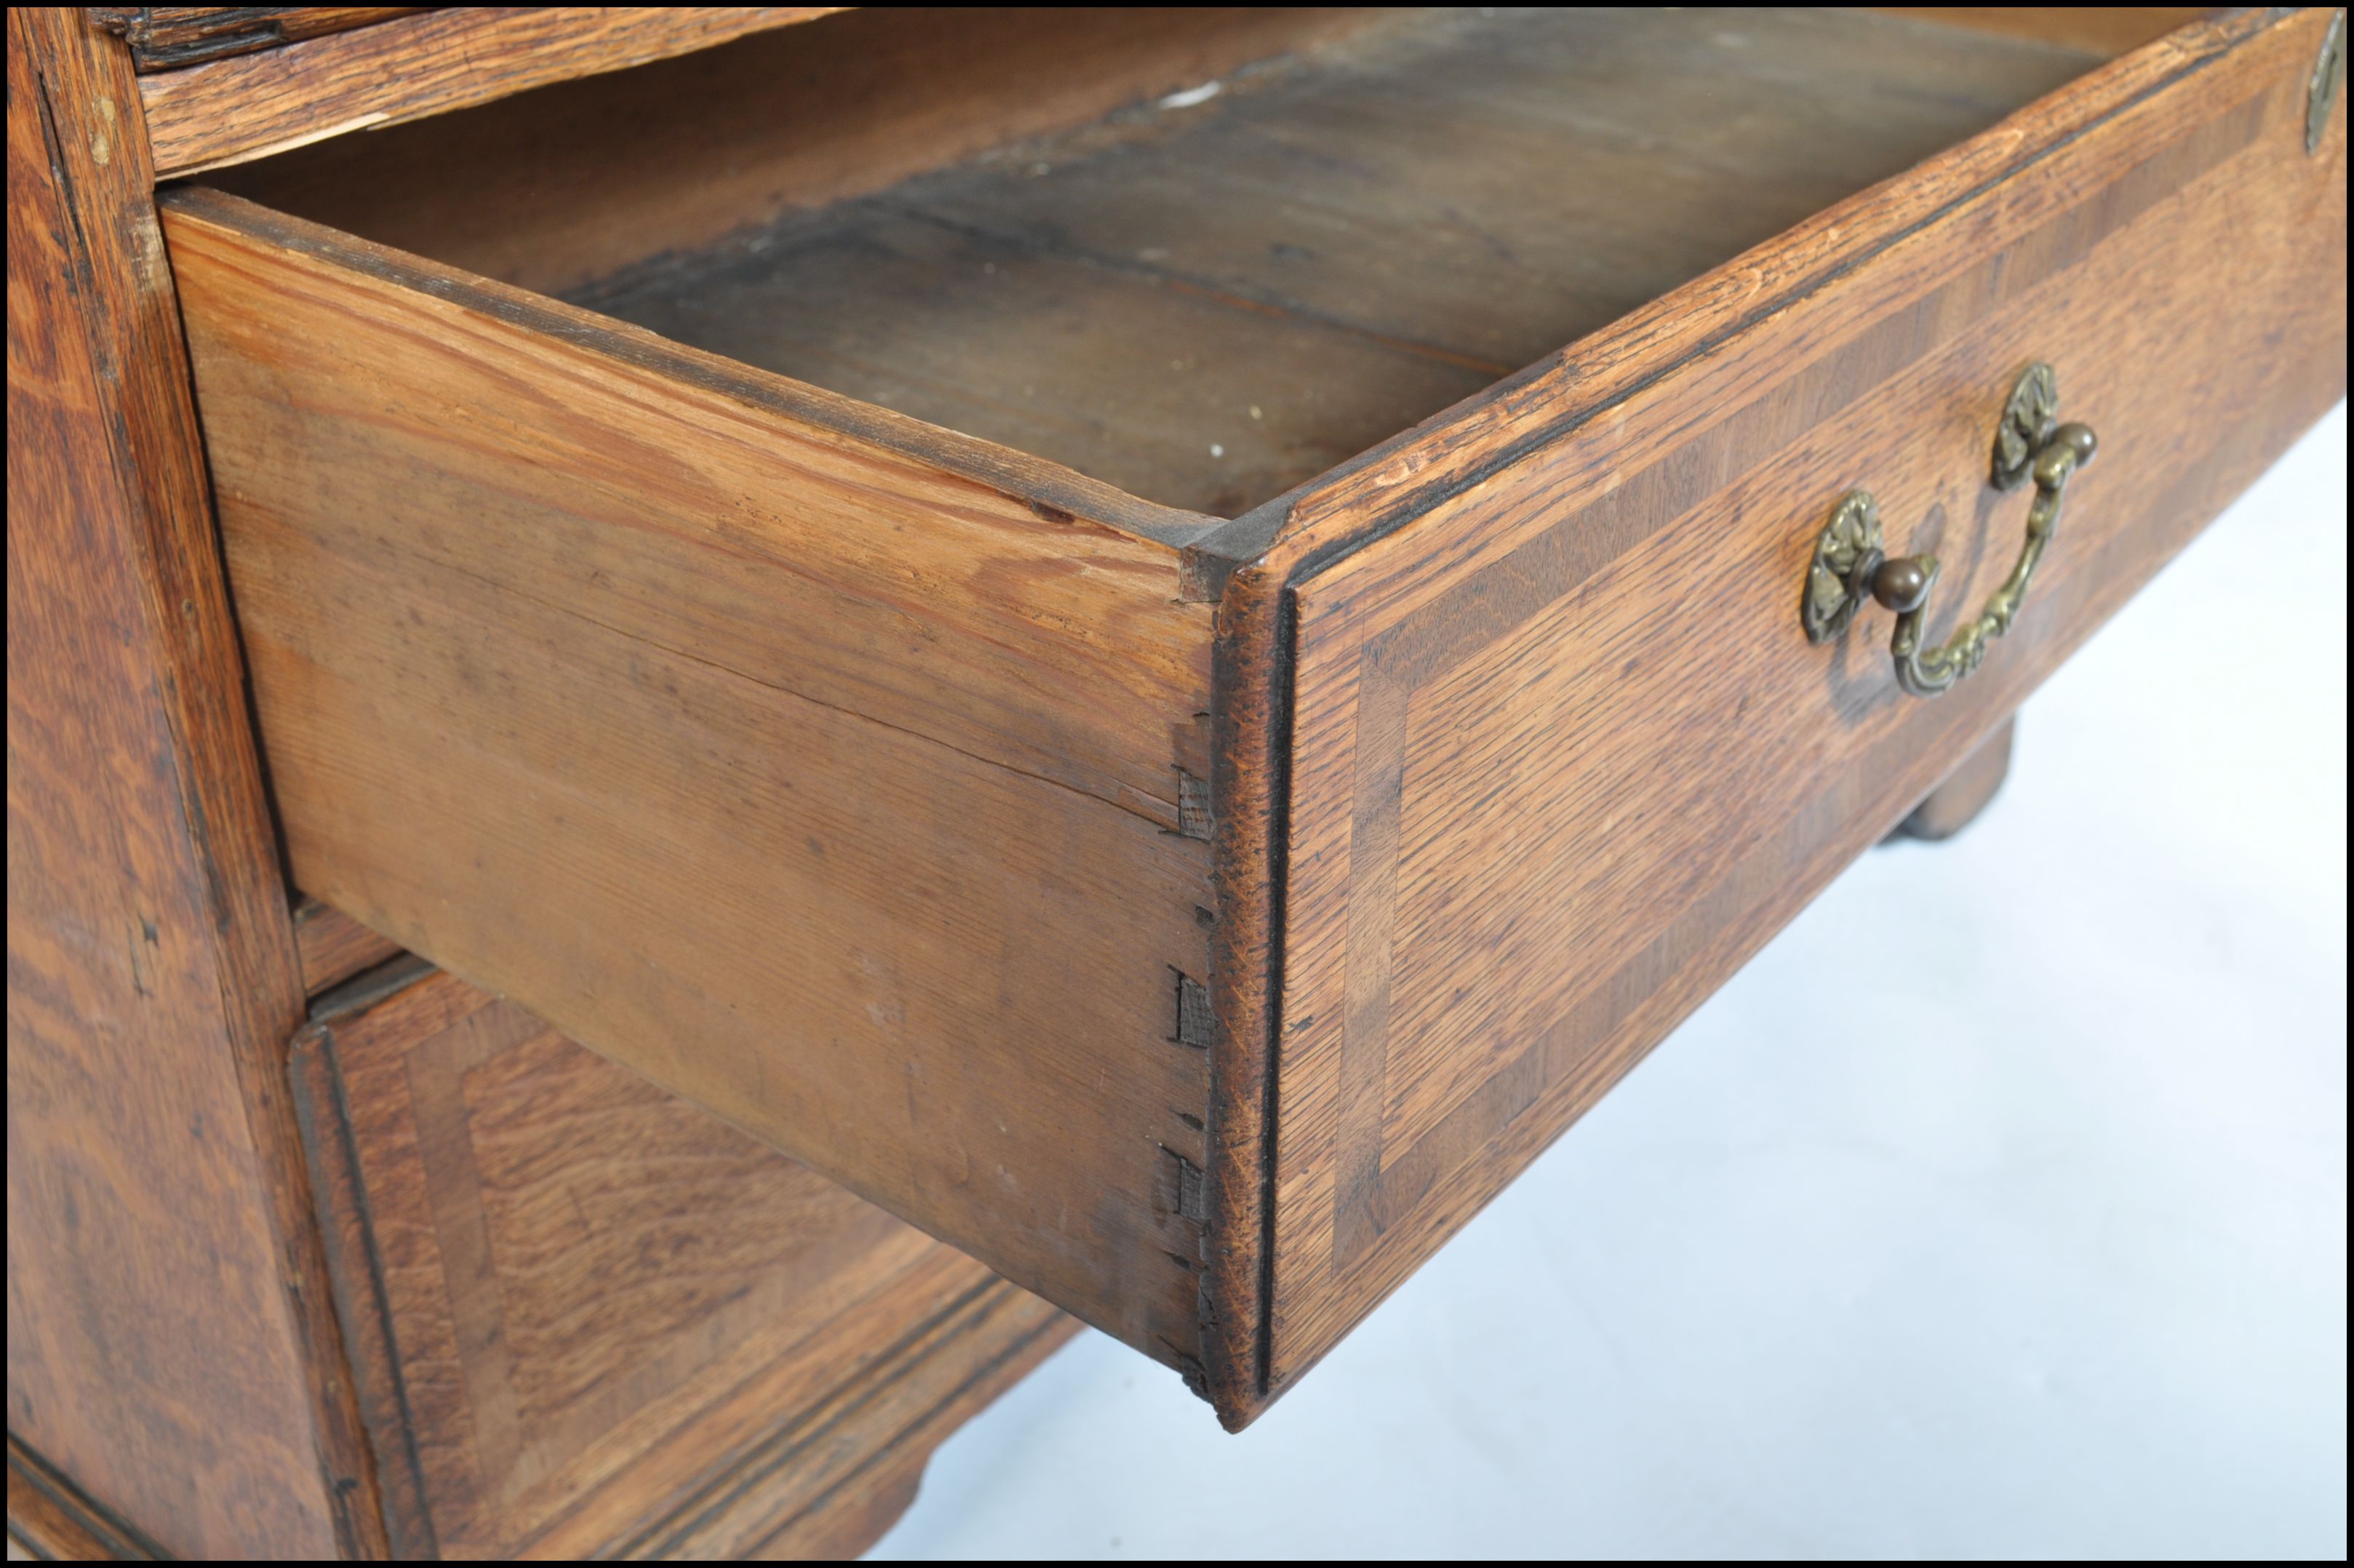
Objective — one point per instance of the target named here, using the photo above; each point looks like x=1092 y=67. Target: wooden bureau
x=1157 y=641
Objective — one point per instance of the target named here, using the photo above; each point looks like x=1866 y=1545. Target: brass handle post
x=1848 y=564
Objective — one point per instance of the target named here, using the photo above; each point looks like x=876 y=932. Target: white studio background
x=1997 y=1208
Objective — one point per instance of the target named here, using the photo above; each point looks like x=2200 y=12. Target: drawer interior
x=1201 y=255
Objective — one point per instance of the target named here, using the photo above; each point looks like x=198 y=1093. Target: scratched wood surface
x=170 y=1345
x=835 y=790
x=1562 y=757
x=612 y=1325
x=227 y=111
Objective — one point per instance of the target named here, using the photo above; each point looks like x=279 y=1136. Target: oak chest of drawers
x=1161 y=642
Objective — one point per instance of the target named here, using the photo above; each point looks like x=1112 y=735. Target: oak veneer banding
x=842 y=772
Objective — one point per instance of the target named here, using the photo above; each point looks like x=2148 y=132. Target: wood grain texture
x=2109 y=29
x=1961 y=795
x=834 y=790
x=334 y=947
x=1209 y=304
x=610 y=1325
x=167 y=37
x=1531 y=821
x=960 y=591
x=50 y=1520
x=170 y=1344
x=227 y=111
x=587 y=181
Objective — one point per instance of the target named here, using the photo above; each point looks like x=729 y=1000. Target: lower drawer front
x=588 y=1319
x=1561 y=754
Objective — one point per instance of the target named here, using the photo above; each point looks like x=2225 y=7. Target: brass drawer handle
x=1848 y=564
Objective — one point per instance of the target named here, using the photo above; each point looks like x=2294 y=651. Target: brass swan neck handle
x=1848 y=564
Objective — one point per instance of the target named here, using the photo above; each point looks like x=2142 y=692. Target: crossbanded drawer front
x=1561 y=753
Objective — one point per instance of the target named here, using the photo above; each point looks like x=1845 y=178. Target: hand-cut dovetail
x=1194 y=1024
x=1193 y=1191
x=1192 y=806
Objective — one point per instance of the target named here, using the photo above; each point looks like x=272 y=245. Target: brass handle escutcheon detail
x=1848 y=564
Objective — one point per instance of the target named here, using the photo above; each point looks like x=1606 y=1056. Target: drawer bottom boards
x=588 y=1320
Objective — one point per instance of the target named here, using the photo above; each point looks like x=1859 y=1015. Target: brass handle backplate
x=1850 y=567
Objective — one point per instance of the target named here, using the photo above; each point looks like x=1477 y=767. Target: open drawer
x=1029 y=606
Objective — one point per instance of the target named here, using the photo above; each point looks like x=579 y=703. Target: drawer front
x=589 y=1318
x=1560 y=755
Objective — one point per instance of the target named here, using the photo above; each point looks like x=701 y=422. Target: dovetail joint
x=1194 y=1022
x=1193 y=1191
x=1194 y=818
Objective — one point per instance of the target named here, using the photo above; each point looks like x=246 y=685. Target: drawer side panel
x=838 y=792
